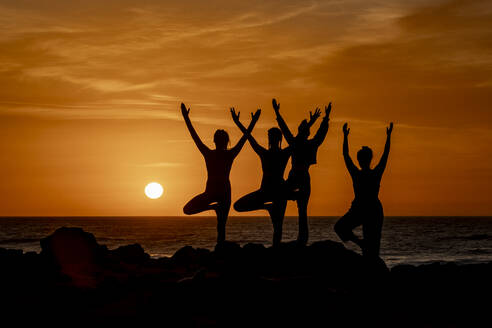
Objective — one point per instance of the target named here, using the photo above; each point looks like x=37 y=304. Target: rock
x=10 y=254
x=320 y=284
x=73 y=252
x=134 y=254
x=190 y=257
x=228 y=249
x=186 y=254
x=253 y=248
x=202 y=256
x=199 y=276
x=11 y=260
x=403 y=269
x=329 y=247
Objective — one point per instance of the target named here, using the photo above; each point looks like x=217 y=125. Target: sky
x=90 y=93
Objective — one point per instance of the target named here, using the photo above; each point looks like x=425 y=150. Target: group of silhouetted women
x=275 y=191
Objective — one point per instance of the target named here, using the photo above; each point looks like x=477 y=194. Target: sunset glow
x=91 y=91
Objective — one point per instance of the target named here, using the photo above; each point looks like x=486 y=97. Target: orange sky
x=90 y=93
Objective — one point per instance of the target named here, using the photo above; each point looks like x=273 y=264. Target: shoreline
x=404 y=241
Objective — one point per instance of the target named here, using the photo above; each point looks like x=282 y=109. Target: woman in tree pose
x=217 y=194
x=271 y=195
x=366 y=209
x=304 y=152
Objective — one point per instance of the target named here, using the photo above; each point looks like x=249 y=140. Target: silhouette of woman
x=271 y=195
x=217 y=195
x=366 y=209
x=304 y=152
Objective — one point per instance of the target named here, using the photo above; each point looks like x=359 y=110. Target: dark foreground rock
x=76 y=280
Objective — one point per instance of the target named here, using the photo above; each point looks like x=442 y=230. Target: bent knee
x=188 y=210
x=239 y=207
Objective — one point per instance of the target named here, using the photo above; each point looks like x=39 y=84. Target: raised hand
x=314 y=117
x=276 y=106
x=389 y=129
x=256 y=115
x=328 y=110
x=184 y=111
x=346 y=130
x=235 y=117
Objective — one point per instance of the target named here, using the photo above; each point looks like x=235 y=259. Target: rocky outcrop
x=253 y=285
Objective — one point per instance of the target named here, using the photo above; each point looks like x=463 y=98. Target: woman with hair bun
x=271 y=195
x=217 y=194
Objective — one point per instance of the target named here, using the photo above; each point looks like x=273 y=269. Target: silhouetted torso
x=304 y=150
x=273 y=163
x=219 y=164
x=366 y=186
x=304 y=154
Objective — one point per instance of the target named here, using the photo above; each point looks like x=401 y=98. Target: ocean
x=405 y=240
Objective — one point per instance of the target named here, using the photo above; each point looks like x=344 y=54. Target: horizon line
x=231 y=216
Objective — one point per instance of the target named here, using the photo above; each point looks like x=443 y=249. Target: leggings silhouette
x=270 y=196
x=304 y=152
x=217 y=194
x=366 y=209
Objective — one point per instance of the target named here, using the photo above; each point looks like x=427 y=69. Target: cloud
x=125 y=65
x=438 y=65
x=159 y=54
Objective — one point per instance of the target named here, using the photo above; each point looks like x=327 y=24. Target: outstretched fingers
x=328 y=109
x=235 y=116
x=255 y=116
x=315 y=115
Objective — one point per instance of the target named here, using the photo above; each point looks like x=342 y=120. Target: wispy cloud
x=140 y=62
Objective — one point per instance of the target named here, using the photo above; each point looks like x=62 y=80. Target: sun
x=153 y=190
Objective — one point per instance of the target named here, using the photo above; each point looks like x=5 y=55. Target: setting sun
x=153 y=190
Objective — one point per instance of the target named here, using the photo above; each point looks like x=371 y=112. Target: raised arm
x=186 y=115
x=384 y=158
x=256 y=147
x=281 y=123
x=323 y=128
x=314 y=117
x=348 y=161
x=254 y=118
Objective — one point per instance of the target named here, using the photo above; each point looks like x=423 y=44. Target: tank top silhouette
x=273 y=164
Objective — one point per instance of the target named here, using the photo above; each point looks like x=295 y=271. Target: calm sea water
x=411 y=240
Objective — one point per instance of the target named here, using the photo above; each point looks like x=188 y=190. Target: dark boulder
x=133 y=254
x=254 y=249
x=228 y=250
x=191 y=257
x=184 y=255
x=73 y=252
